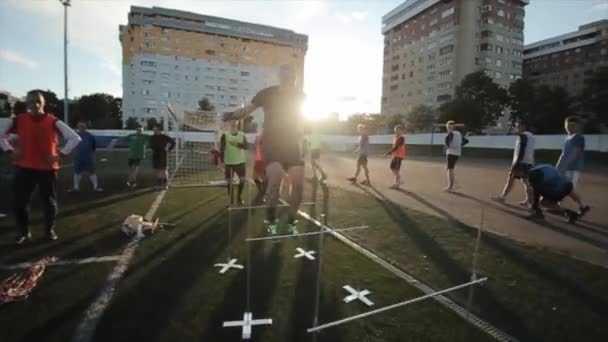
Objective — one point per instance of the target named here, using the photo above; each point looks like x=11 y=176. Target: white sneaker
x=98 y=189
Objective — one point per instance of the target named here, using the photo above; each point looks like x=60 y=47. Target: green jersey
x=315 y=140
x=234 y=148
x=137 y=145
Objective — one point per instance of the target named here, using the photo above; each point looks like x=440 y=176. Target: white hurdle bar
x=394 y=306
x=265 y=206
x=288 y=236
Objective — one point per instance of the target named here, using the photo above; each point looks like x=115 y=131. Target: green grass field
x=172 y=292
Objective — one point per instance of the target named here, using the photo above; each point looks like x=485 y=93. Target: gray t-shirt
x=364 y=146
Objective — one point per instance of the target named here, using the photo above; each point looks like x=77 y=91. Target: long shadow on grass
x=233 y=305
x=595 y=303
x=504 y=318
x=145 y=311
x=544 y=223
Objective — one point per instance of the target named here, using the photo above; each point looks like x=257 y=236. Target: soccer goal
x=193 y=161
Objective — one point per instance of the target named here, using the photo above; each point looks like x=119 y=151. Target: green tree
x=420 y=119
x=522 y=100
x=19 y=107
x=552 y=106
x=52 y=103
x=131 y=123
x=151 y=123
x=101 y=110
x=478 y=103
x=394 y=120
x=204 y=104
x=5 y=110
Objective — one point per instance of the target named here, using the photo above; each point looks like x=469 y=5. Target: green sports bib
x=233 y=154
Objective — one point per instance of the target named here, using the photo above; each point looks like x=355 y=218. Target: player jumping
x=363 y=152
x=84 y=158
x=282 y=136
x=233 y=145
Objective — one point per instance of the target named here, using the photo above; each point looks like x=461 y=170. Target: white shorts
x=573 y=176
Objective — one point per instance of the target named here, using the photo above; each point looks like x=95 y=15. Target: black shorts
x=239 y=169
x=159 y=162
x=362 y=161
x=315 y=154
x=451 y=161
x=396 y=163
x=134 y=162
x=521 y=170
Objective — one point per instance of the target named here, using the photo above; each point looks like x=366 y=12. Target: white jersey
x=454 y=147
x=528 y=141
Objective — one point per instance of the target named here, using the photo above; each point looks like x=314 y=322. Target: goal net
x=193 y=161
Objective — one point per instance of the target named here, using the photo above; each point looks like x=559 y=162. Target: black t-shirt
x=282 y=118
x=158 y=143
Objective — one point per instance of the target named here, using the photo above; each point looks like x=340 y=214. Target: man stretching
x=547 y=182
x=233 y=145
x=398 y=153
x=37 y=162
x=160 y=143
x=84 y=158
x=523 y=160
x=363 y=152
x=282 y=136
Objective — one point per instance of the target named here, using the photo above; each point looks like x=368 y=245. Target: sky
x=343 y=68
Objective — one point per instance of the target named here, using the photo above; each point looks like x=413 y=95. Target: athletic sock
x=93 y=179
x=77 y=181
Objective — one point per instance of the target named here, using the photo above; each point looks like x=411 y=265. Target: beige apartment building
x=431 y=45
x=181 y=57
x=569 y=59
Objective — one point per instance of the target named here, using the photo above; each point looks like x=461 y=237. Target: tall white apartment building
x=431 y=45
x=181 y=57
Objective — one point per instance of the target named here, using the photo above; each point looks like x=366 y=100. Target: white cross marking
x=360 y=295
x=247 y=323
x=303 y=253
x=230 y=264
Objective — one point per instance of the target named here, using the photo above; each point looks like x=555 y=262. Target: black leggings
x=26 y=181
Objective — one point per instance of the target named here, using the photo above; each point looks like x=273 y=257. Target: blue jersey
x=568 y=161
x=85 y=151
x=553 y=181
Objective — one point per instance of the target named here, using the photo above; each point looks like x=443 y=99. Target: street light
x=65 y=4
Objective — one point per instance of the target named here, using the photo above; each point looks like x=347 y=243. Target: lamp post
x=65 y=4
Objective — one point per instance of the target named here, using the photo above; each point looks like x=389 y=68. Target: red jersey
x=38 y=140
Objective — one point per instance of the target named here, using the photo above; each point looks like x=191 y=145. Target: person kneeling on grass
x=233 y=145
x=160 y=143
x=84 y=158
x=137 y=151
x=547 y=182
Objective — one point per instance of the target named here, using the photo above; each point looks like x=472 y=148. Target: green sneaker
x=293 y=227
x=272 y=227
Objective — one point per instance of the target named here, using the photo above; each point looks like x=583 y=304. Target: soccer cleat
x=573 y=216
x=98 y=189
x=352 y=179
x=447 y=189
x=584 y=210
x=272 y=227
x=395 y=187
x=21 y=239
x=51 y=235
x=524 y=203
x=293 y=227
x=366 y=183
x=73 y=190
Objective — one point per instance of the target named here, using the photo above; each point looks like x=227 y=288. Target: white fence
x=594 y=142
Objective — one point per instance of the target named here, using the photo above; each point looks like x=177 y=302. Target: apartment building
x=181 y=57
x=431 y=45
x=568 y=59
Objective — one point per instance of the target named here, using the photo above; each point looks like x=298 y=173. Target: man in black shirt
x=282 y=137
x=160 y=143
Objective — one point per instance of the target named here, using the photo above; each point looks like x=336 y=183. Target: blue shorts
x=81 y=166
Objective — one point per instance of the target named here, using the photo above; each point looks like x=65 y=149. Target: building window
x=447 y=12
x=430 y=67
x=210 y=52
x=500 y=37
x=488 y=60
x=394 y=87
x=146 y=81
x=411 y=74
x=485 y=47
x=446 y=49
x=488 y=21
x=486 y=8
x=498 y=63
x=517 y=65
x=500 y=13
x=445 y=61
x=433 y=22
x=445 y=73
x=500 y=50
x=148 y=63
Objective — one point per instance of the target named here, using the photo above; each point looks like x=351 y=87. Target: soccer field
x=167 y=287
